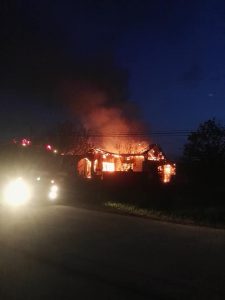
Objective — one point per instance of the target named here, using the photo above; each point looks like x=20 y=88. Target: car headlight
x=53 y=194
x=54 y=188
x=17 y=192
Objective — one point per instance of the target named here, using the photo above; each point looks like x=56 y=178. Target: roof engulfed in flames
x=152 y=152
x=99 y=161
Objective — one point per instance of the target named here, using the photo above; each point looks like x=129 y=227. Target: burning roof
x=99 y=161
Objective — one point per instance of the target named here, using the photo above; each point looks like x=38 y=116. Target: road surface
x=61 y=252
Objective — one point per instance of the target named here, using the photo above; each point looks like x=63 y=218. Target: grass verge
x=187 y=217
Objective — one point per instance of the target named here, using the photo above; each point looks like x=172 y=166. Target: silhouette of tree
x=204 y=152
x=70 y=138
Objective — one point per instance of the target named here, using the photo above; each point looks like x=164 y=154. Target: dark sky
x=173 y=53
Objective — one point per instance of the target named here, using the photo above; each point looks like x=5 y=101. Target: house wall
x=152 y=163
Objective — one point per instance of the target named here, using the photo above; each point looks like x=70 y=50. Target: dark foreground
x=67 y=253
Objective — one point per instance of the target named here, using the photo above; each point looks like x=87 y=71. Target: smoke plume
x=100 y=103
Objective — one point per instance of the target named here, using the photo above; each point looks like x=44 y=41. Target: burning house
x=118 y=136
x=97 y=163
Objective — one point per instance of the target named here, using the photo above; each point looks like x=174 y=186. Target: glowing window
x=108 y=166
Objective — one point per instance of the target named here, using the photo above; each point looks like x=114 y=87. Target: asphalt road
x=61 y=252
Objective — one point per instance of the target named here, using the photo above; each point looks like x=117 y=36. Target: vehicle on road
x=28 y=175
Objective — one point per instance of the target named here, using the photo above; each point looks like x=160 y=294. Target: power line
x=174 y=133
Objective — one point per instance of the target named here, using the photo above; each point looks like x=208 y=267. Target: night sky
x=171 y=51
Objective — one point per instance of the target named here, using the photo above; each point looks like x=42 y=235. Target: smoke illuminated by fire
x=119 y=139
x=111 y=124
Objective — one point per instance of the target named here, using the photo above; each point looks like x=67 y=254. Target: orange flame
x=167 y=171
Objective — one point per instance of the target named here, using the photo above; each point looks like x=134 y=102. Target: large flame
x=167 y=171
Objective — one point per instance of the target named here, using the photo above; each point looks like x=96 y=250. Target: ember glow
x=167 y=171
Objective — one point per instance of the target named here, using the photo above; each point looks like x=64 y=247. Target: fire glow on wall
x=151 y=161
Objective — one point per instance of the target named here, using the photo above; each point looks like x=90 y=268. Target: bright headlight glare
x=17 y=192
x=54 y=188
x=52 y=195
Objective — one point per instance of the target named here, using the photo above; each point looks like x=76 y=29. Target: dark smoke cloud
x=40 y=50
x=31 y=62
x=68 y=62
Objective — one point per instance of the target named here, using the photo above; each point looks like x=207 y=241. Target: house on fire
x=97 y=163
